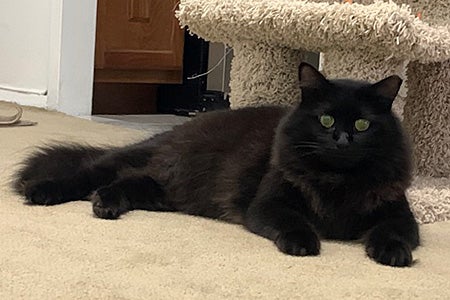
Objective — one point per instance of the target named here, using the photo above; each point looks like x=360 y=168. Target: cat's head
x=340 y=125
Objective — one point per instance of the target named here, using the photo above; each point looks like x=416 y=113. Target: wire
x=212 y=69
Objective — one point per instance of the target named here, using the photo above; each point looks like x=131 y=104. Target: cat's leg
x=83 y=181
x=56 y=191
x=395 y=235
x=127 y=194
x=273 y=216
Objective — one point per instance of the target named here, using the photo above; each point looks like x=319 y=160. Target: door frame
x=71 y=56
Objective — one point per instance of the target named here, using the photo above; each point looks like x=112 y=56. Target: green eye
x=362 y=124
x=327 y=121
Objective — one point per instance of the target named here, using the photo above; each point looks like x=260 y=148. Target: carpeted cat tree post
x=426 y=68
x=364 y=40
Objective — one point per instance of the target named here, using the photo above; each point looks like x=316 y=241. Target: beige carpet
x=62 y=252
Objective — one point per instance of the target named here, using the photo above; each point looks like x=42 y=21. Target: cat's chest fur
x=339 y=211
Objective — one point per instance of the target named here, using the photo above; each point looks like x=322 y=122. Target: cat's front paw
x=44 y=192
x=109 y=203
x=391 y=253
x=298 y=243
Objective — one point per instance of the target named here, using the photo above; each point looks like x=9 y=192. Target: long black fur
x=275 y=170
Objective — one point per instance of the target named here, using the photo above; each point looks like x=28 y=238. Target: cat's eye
x=362 y=124
x=327 y=121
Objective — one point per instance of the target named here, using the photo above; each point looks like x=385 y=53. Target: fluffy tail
x=55 y=162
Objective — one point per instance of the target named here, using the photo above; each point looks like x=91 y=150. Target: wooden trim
x=141 y=60
x=139 y=76
x=100 y=46
x=177 y=39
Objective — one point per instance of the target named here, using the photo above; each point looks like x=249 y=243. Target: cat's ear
x=387 y=88
x=309 y=77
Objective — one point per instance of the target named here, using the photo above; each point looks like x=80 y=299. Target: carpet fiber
x=64 y=252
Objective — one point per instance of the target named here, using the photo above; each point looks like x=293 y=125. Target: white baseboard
x=24 y=99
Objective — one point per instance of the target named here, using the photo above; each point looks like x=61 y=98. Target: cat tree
x=364 y=40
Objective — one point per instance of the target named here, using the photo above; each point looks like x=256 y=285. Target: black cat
x=336 y=167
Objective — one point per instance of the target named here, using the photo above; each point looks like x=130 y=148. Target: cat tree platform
x=364 y=41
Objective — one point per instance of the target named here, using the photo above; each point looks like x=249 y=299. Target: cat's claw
x=298 y=243
x=392 y=253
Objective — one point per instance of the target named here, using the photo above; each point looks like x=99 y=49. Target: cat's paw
x=109 y=203
x=298 y=243
x=391 y=253
x=44 y=192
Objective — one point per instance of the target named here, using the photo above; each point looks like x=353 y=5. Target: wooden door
x=138 y=41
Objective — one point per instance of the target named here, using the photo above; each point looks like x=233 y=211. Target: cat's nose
x=343 y=140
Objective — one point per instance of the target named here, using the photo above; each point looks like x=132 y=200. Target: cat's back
x=221 y=130
x=212 y=164
x=232 y=124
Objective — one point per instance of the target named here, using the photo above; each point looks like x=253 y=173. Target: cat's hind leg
x=58 y=175
x=123 y=195
x=39 y=174
x=77 y=186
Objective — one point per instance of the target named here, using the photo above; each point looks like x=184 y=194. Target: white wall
x=24 y=45
x=47 y=53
